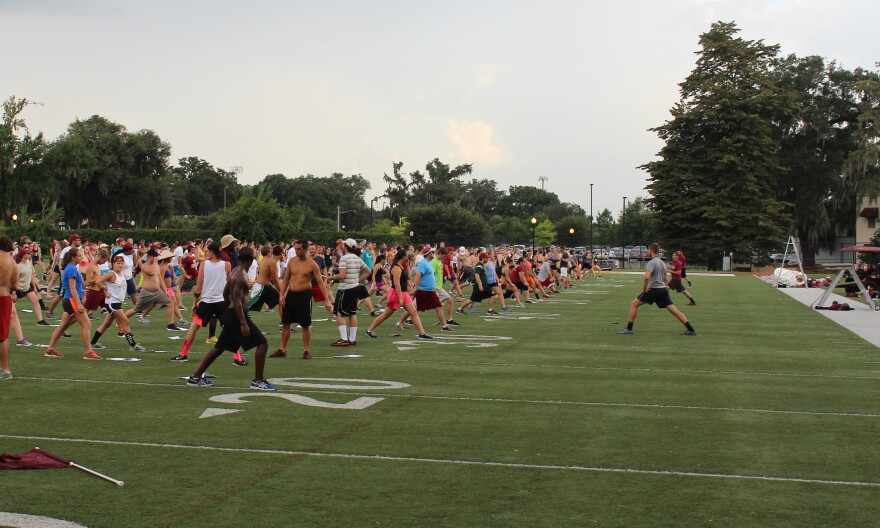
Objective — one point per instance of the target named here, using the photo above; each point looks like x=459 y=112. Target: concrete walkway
x=861 y=320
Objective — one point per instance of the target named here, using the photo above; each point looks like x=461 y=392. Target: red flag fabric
x=36 y=458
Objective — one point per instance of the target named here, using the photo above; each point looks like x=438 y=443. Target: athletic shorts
x=94 y=299
x=362 y=292
x=656 y=295
x=427 y=300
x=443 y=295
x=188 y=284
x=5 y=316
x=395 y=302
x=261 y=295
x=69 y=305
x=521 y=286
x=563 y=271
x=19 y=294
x=676 y=285
x=297 y=308
x=477 y=295
x=467 y=274
x=205 y=311
x=346 y=302
x=232 y=339
x=684 y=272
x=317 y=294
x=546 y=282
x=130 y=287
x=150 y=298
x=112 y=307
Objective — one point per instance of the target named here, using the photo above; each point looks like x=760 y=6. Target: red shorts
x=317 y=294
x=5 y=316
x=546 y=282
x=427 y=300
x=94 y=299
x=394 y=302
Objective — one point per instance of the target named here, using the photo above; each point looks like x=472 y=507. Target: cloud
x=473 y=143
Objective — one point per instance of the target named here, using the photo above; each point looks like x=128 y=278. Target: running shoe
x=98 y=346
x=211 y=340
x=42 y=323
x=278 y=353
x=425 y=337
x=352 y=343
x=371 y=335
x=173 y=328
x=179 y=359
x=446 y=328
x=5 y=375
x=626 y=331
x=24 y=343
x=460 y=311
x=50 y=315
x=399 y=327
x=198 y=382
x=306 y=355
x=137 y=348
x=689 y=333
x=692 y=303
x=93 y=317
x=492 y=312
x=453 y=322
x=242 y=363
x=262 y=385
x=182 y=308
x=183 y=321
x=144 y=319
x=520 y=305
x=506 y=309
x=65 y=334
x=471 y=308
x=91 y=355
x=120 y=334
x=52 y=353
x=340 y=343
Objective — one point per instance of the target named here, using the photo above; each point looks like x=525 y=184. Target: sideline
x=511 y=465
x=619 y=271
x=21 y=520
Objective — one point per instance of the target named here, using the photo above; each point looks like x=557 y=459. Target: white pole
x=99 y=475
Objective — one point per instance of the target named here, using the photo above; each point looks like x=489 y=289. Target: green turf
x=565 y=424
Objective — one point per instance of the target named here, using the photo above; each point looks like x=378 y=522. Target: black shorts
x=656 y=295
x=521 y=286
x=232 y=339
x=268 y=296
x=22 y=294
x=477 y=295
x=204 y=312
x=188 y=284
x=69 y=306
x=346 y=302
x=676 y=285
x=109 y=308
x=297 y=308
x=362 y=292
x=684 y=272
x=467 y=274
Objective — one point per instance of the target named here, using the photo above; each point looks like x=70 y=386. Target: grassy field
x=542 y=417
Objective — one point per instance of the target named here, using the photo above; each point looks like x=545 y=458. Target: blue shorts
x=130 y=287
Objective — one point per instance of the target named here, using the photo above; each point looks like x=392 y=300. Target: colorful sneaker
x=340 y=343
x=173 y=328
x=211 y=340
x=506 y=309
x=371 y=335
x=43 y=323
x=5 y=375
x=262 y=385
x=65 y=334
x=198 y=382
x=91 y=355
x=471 y=308
x=306 y=355
x=689 y=333
x=98 y=346
x=137 y=348
x=278 y=353
x=179 y=359
x=52 y=353
x=453 y=322
x=242 y=363
x=144 y=319
x=425 y=337
x=24 y=342
x=626 y=331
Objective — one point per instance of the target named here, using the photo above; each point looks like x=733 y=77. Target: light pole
x=534 y=223
x=339 y=216
x=571 y=233
x=376 y=199
x=622 y=231
x=591 y=217
x=543 y=179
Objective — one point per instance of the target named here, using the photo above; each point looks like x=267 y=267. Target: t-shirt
x=70 y=272
x=427 y=281
x=658 y=273
x=544 y=271
x=367 y=257
x=491 y=275
x=189 y=265
x=178 y=254
x=564 y=262
x=675 y=269
x=437 y=266
x=353 y=265
x=25 y=275
x=481 y=271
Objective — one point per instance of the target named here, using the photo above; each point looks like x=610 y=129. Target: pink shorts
x=394 y=301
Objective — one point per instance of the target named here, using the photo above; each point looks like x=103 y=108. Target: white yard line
x=512 y=465
x=492 y=400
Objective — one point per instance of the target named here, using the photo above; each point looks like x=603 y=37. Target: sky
x=566 y=90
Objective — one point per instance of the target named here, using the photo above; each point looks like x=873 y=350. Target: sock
x=342 y=333
x=353 y=333
x=689 y=327
x=186 y=345
x=42 y=305
x=237 y=355
x=96 y=337
x=211 y=331
x=629 y=325
x=130 y=339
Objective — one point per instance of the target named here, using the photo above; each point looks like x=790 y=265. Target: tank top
x=379 y=273
x=214 y=281
x=404 y=279
x=117 y=289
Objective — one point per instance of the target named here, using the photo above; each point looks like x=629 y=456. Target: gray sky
x=562 y=89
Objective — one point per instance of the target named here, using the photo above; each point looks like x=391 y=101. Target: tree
x=450 y=223
x=257 y=217
x=201 y=189
x=528 y=201
x=715 y=182
x=581 y=226
x=11 y=146
x=545 y=233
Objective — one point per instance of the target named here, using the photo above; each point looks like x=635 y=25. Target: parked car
x=580 y=250
x=608 y=263
x=616 y=252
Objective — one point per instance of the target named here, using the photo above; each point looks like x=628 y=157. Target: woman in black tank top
x=398 y=297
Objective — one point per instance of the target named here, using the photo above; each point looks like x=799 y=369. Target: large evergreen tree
x=713 y=188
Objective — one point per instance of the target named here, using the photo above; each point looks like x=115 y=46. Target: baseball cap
x=227 y=241
x=128 y=245
x=483 y=255
x=120 y=239
x=152 y=252
x=190 y=247
x=350 y=242
x=428 y=249
x=462 y=250
x=73 y=237
x=118 y=258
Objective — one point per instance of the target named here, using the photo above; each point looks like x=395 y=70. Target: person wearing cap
x=114 y=284
x=229 y=245
x=152 y=294
x=8 y=274
x=239 y=331
x=352 y=272
x=424 y=288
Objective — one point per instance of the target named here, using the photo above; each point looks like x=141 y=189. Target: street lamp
x=376 y=199
x=622 y=232
x=14 y=217
x=339 y=215
x=534 y=223
x=591 y=217
x=571 y=232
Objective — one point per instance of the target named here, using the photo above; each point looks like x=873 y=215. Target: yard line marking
x=513 y=465
x=506 y=400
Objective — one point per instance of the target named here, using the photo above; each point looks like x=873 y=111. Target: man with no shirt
x=296 y=298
